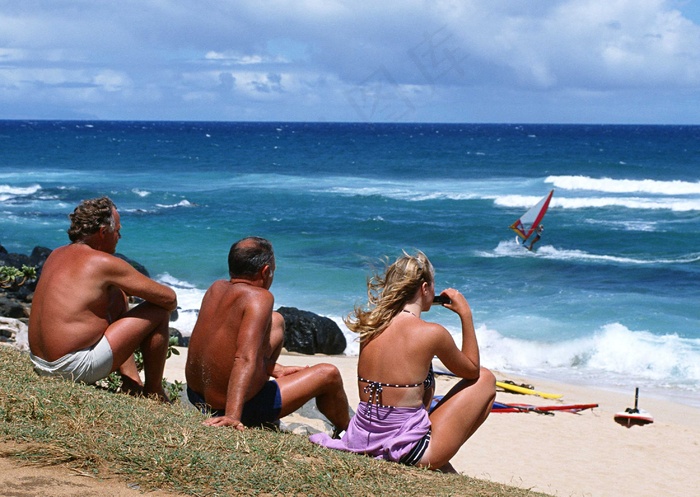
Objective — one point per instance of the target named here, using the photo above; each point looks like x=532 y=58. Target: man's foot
x=131 y=387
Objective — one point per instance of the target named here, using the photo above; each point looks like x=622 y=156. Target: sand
x=585 y=454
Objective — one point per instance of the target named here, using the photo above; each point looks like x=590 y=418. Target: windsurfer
x=528 y=227
x=537 y=237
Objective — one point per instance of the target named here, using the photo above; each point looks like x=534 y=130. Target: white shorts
x=86 y=365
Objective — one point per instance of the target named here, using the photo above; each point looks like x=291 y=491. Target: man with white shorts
x=80 y=326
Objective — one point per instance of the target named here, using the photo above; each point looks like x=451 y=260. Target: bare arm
x=122 y=275
x=466 y=362
x=248 y=358
x=279 y=371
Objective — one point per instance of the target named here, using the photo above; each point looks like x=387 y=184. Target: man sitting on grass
x=81 y=326
x=234 y=347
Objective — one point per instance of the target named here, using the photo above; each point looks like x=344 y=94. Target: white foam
x=8 y=192
x=16 y=190
x=676 y=204
x=667 y=195
x=610 y=354
x=611 y=185
x=189 y=300
x=510 y=248
x=181 y=203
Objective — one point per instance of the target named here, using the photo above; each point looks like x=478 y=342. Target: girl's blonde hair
x=389 y=293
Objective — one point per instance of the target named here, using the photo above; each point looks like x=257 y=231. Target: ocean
x=610 y=296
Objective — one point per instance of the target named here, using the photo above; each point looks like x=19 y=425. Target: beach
x=607 y=299
x=565 y=454
x=574 y=455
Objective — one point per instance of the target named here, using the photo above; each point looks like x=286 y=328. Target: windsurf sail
x=528 y=222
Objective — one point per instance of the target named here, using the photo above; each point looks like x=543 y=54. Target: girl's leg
x=460 y=413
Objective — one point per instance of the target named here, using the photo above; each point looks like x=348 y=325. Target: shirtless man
x=80 y=326
x=234 y=348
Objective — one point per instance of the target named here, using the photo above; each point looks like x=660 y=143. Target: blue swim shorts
x=262 y=409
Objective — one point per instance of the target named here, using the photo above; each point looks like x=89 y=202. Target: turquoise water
x=609 y=297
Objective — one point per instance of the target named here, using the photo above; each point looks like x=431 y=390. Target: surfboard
x=633 y=416
x=502 y=407
x=630 y=418
x=527 y=391
x=527 y=224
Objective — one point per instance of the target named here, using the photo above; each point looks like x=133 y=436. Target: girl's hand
x=459 y=304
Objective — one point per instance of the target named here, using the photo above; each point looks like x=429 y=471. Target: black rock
x=38 y=257
x=11 y=308
x=309 y=333
x=14 y=260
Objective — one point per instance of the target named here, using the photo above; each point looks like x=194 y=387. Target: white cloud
x=535 y=59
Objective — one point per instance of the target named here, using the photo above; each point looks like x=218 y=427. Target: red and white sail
x=528 y=222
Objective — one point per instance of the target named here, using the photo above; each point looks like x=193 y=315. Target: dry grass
x=55 y=422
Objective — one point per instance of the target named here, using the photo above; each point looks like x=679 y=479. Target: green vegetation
x=158 y=446
x=11 y=277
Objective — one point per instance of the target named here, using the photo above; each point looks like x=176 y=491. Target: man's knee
x=278 y=321
x=151 y=312
x=277 y=333
x=330 y=375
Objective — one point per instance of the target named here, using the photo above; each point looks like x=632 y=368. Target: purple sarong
x=381 y=432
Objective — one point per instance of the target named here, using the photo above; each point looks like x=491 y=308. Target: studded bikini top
x=374 y=388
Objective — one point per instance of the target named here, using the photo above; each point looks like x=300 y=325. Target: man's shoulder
x=73 y=252
x=244 y=294
x=90 y=259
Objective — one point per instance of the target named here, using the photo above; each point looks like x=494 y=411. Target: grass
x=55 y=422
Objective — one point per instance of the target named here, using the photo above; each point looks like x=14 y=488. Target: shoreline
x=565 y=454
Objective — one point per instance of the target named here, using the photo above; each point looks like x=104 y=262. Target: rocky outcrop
x=309 y=333
x=12 y=307
x=14 y=331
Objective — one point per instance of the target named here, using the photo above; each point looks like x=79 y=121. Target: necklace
x=409 y=312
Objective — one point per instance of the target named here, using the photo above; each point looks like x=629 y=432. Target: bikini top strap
x=429 y=381
x=392 y=385
x=374 y=389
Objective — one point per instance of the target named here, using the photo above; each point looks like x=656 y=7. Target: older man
x=234 y=348
x=81 y=327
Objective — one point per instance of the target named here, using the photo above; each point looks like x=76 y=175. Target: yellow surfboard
x=527 y=391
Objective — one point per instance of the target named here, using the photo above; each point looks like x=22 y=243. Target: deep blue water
x=610 y=296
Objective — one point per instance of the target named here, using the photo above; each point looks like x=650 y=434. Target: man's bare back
x=230 y=309
x=76 y=296
x=81 y=300
x=235 y=345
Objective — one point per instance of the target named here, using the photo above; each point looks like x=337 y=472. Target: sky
x=470 y=61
